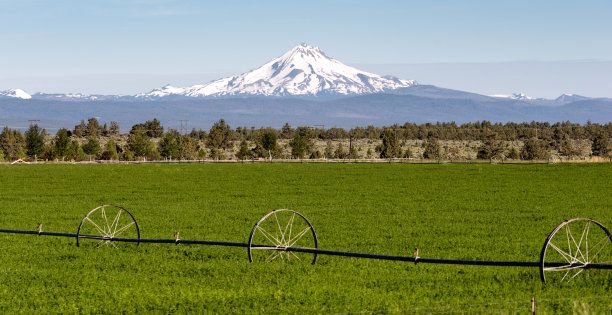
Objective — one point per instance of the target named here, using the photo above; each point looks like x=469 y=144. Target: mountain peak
x=16 y=93
x=304 y=70
x=304 y=49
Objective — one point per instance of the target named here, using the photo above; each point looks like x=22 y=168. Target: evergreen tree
x=154 y=128
x=432 y=149
x=287 y=132
x=93 y=128
x=74 y=150
x=110 y=151
x=534 y=149
x=92 y=146
x=329 y=150
x=390 y=145
x=61 y=143
x=80 y=156
x=243 y=151
x=353 y=153
x=80 y=129
x=104 y=130
x=220 y=136
x=187 y=148
x=35 y=141
x=268 y=142
x=513 y=154
x=139 y=143
x=599 y=146
x=168 y=146
x=114 y=128
x=298 y=147
x=12 y=143
x=316 y=154
x=567 y=146
x=491 y=148
x=340 y=153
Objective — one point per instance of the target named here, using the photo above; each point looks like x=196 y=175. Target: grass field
x=491 y=212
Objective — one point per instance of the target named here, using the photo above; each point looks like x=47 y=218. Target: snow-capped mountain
x=302 y=71
x=516 y=96
x=16 y=93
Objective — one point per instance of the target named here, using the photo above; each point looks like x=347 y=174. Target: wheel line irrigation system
x=565 y=254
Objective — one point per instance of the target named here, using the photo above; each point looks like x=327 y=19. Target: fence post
x=533 y=305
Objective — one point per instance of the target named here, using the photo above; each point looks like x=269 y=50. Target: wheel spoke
x=586 y=240
x=296 y=256
x=605 y=243
x=96 y=226
x=115 y=223
x=121 y=230
x=565 y=255
x=269 y=236
x=569 y=245
x=298 y=236
x=280 y=230
x=578 y=251
x=565 y=275
x=563 y=268
x=577 y=273
x=289 y=227
x=265 y=247
x=272 y=256
x=106 y=226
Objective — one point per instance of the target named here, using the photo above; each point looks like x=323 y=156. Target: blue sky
x=543 y=48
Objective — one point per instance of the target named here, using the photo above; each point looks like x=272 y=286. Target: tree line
x=150 y=140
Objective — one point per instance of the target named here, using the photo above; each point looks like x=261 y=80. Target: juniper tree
x=168 y=146
x=243 y=151
x=93 y=128
x=432 y=149
x=220 y=136
x=154 y=128
x=534 y=149
x=298 y=147
x=61 y=143
x=600 y=144
x=35 y=141
x=268 y=142
x=139 y=143
x=92 y=146
x=390 y=146
x=12 y=143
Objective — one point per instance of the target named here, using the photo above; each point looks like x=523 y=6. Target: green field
x=489 y=212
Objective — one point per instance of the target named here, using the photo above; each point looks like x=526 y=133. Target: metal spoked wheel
x=279 y=230
x=571 y=247
x=104 y=223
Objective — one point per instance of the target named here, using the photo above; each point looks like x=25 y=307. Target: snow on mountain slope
x=515 y=96
x=16 y=93
x=303 y=70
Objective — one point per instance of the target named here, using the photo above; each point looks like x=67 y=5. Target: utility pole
x=184 y=126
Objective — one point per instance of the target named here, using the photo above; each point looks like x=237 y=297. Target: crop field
x=485 y=212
